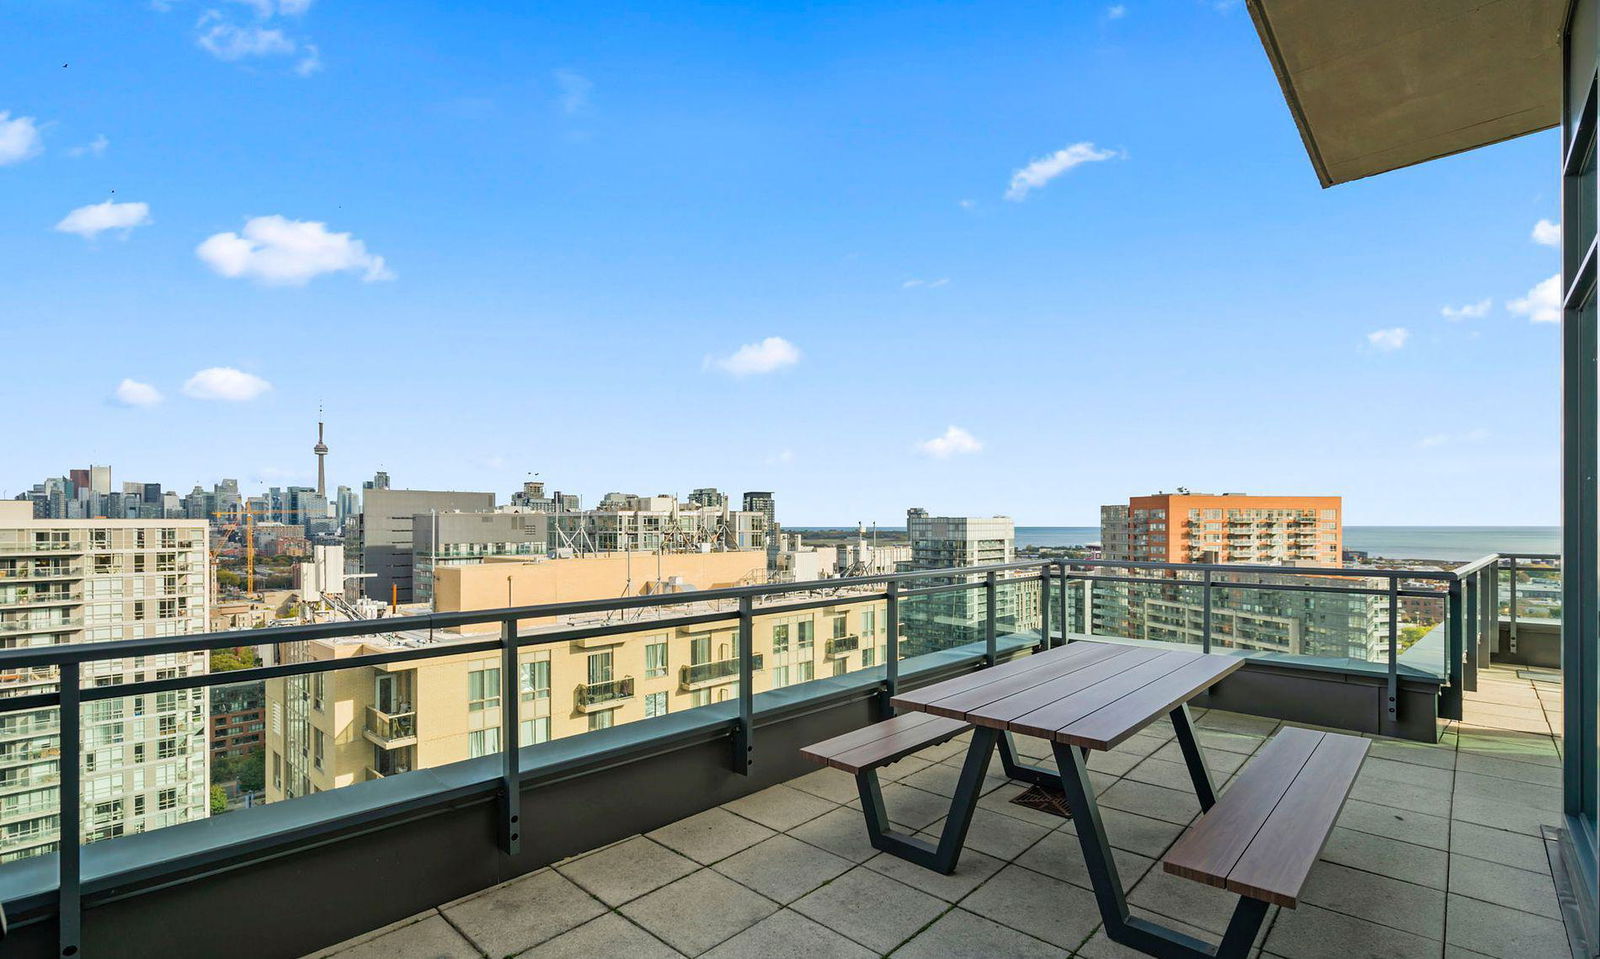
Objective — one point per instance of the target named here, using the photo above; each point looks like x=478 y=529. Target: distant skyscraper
x=710 y=496
x=380 y=480
x=321 y=449
x=952 y=542
x=761 y=502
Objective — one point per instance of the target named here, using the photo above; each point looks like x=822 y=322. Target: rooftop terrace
x=1437 y=853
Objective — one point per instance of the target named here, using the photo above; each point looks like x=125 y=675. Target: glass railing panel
x=937 y=622
x=1530 y=590
x=1018 y=600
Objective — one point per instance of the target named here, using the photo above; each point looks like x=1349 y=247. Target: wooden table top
x=1086 y=694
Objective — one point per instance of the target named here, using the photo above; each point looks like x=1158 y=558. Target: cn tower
x=321 y=449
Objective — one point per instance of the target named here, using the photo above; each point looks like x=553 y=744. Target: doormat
x=1540 y=675
x=1045 y=800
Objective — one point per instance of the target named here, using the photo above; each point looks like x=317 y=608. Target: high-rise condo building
x=757 y=501
x=98 y=580
x=1188 y=527
x=942 y=620
x=388 y=523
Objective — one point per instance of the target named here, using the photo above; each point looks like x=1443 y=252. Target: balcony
x=1420 y=838
x=699 y=675
x=390 y=730
x=1437 y=817
x=604 y=694
x=842 y=646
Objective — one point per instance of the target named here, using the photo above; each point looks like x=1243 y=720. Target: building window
x=780 y=638
x=780 y=677
x=483 y=689
x=319 y=690
x=482 y=742
x=601 y=720
x=805 y=630
x=841 y=625
x=535 y=680
x=319 y=746
x=869 y=622
x=655 y=704
x=534 y=731
x=600 y=667
x=700 y=697
x=699 y=649
x=655 y=660
x=167 y=799
x=805 y=672
x=867 y=656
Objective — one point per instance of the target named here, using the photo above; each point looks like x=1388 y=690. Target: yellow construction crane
x=249 y=536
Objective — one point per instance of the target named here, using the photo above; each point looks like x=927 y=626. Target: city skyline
x=738 y=207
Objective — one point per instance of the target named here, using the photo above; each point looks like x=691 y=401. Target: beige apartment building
x=102 y=580
x=358 y=724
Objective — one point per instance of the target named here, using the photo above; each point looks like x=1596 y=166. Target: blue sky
x=995 y=257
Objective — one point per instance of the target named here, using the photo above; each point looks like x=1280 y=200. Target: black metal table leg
x=1199 y=772
x=1141 y=934
x=944 y=856
x=1037 y=775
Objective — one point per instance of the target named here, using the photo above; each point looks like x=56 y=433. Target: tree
x=228 y=579
x=219 y=801
x=239 y=657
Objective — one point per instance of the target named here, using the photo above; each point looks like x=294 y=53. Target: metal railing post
x=1512 y=608
x=990 y=593
x=1062 y=569
x=1489 y=599
x=510 y=772
x=1205 y=612
x=1472 y=613
x=1450 y=695
x=70 y=889
x=891 y=666
x=744 y=739
x=1393 y=711
x=1044 y=606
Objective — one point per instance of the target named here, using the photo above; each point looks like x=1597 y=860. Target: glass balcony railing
x=391 y=730
x=612 y=690
x=718 y=671
x=842 y=645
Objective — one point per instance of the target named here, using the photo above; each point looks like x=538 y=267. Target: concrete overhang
x=1375 y=85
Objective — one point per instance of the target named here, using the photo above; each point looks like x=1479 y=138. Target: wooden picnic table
x=1082 y=696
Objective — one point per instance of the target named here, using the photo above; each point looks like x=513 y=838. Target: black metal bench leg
x=1135 y=933
x=1199 y=772
x=944 y=856
x=1037 y=775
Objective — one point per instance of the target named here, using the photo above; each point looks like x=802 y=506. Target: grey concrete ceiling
x=1375 y=85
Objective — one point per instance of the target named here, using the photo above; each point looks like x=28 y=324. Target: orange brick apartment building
x=1225 y=528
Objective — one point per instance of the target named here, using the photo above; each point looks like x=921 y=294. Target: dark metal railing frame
x=1477 y=577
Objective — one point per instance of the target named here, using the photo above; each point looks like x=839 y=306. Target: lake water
x=1394 y=542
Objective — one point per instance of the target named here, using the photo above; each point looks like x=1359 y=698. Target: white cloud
x=780 y=458
x=310 y=63
x=1449 y=439
x=225 y=383
x=96 y=147
x=1546 y=233
x=279 y=251
x=930 y=284
x=92 y=220
x=575 y=88
x=952 y=442
x=1116 y=12
x=772 y=353
x=1469 y=311
x=1046 y=168
x=267 y=8
x=226 y=41
x=135 y=393
x=19 y=139
x=1542 y=304
x=1389 y=340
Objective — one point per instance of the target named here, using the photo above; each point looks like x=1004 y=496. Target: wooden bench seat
x=862 y=752
x=1262 y=837
x=882 y=743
